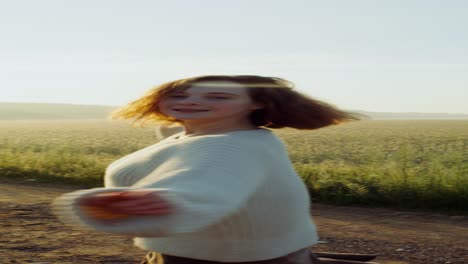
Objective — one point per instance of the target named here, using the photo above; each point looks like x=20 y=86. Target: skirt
x=303 y=256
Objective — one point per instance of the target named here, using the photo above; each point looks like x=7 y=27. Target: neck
x=193 y=128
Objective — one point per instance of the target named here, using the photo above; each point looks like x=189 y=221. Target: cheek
x=162 y=106
x=164 y=103
x=234 y=107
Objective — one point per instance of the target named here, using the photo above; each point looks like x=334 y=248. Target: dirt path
x=30 y=234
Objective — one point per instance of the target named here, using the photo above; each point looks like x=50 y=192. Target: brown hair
x=283 y=106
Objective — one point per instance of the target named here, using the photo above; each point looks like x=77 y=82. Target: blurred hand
x=122 y=204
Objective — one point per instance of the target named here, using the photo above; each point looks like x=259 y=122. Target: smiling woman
x=202 y=108
x=281 y=105
x=224 y=189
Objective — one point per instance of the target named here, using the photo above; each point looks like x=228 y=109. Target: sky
x=370 y=55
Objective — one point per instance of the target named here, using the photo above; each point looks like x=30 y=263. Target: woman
x=221 y=191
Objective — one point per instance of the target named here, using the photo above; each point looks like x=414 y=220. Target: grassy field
x=403 y=164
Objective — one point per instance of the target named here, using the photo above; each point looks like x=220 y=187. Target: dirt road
x=30 y=234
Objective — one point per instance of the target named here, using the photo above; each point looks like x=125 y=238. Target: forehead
x=217 y=87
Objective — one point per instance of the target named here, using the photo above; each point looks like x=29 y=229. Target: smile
x=189 y=110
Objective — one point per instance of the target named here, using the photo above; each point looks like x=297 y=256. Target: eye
x=219 y=97
x=176 y=96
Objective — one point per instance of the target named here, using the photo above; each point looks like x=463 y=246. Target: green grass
x=402 y=164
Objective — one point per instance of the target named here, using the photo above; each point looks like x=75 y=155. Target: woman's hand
x=122 y=204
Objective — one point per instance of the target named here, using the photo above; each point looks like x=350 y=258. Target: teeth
x=189 y=110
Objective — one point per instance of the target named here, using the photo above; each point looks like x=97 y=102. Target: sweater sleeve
x=205 y=182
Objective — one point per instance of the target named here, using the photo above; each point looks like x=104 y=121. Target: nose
x=190 y=100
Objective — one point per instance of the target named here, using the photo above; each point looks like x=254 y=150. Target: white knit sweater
x=236 y=196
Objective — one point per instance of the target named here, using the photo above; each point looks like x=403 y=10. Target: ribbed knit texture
x=236 y=197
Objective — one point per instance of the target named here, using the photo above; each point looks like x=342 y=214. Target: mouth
x=189 y=110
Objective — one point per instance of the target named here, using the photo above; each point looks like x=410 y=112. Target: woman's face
x=209 y=101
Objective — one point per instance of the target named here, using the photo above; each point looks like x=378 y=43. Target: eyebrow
x=221 y=93
x=212 y=93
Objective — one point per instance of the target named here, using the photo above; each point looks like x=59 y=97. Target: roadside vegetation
x=401 y=164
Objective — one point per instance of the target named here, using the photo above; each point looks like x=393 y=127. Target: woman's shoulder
x=256 y=144
x=253 y=135
x=260 y=138
x=247 y=139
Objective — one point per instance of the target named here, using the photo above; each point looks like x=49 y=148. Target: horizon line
x=358 y=110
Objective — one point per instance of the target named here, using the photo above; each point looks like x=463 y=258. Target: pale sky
x=372 y=55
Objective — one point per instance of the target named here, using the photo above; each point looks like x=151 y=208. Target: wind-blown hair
x=283 y=106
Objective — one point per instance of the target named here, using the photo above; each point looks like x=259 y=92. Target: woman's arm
x=202 y=185
x=122 y=204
